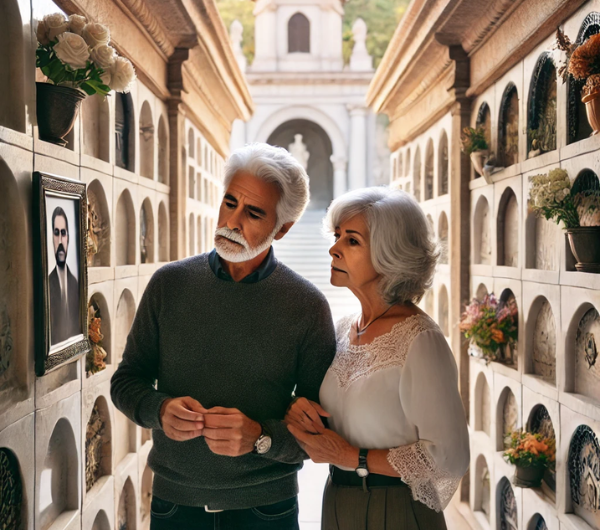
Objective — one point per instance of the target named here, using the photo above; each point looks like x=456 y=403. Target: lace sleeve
x=429 y=484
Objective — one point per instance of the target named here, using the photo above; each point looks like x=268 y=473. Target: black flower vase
x=56 y=108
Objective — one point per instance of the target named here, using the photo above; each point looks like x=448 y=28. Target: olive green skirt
x=382 y=508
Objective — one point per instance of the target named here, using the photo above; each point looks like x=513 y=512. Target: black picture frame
x=60 y=292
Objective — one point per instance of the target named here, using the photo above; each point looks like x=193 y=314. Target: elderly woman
x=397 y=439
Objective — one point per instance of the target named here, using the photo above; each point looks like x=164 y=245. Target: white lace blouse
x=400 y=392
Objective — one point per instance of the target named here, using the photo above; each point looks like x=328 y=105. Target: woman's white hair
x=276 y=165
x=402 y=249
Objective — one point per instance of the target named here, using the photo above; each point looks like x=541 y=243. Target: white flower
x=76 y=24
x=72 y=50
x=41 y=33
x=103 y=56
x=95 y=34
x=106 y=78
x=56 y=24
x=123 y=75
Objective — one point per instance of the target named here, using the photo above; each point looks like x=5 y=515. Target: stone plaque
x=486 y=408
x=510 y=415
x=547 y=237
x=11 y=491
x=587 y=366
x=507 y=511
x=544 y=344
x=584 y=474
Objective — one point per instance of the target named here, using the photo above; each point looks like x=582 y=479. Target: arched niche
x=443 y=168
x=482 y=405
x=124 y=436
x=192 y=182
x=400 y=168
x=443 y=237
x=58 y=487
x=481 y=292
x=394 y=168
x=429 y=303
x=482 y=234
x=443 y=311
x=428 y=191
x=163 y=233
x=125 y=230
x=199 y=152
x=584 y=351
x=206 y=161
x=12 y=63
x=205 y=194
x=508 y=298
x=543 y=238
x=541 y=107
x=146 y=142
x=506 y=506
x=199 y=184
x=508 y=229
x=126 y=511
x=199 y=234
x=124 y=132
x=540 y=422
x=146 y=232
x=586 y=182
x=191 y=143
x=12 y=497
x=15 y=291
x=583 y=474
x=192 y=237
x=98 y=444
x=417 y=174
x=542 y=340
x=163 y=152
x=484 y=119
x=298 y=34
x=508 y=127
x=99 y=224
x=95 y=123
x=101 y=521
x=146 y=495
x=578 y=126
x=482 y=487
x=537 y=522
x=407 y=164
x=98 y=307
x=124 y=319
x=431 y=225
x=507 y=418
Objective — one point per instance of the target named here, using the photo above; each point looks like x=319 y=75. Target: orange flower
x=94 y=330
x=497 y=335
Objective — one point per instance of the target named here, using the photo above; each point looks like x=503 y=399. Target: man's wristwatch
x=362 y=471
x=263 y=444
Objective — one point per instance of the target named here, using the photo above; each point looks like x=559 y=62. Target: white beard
x=234 y=253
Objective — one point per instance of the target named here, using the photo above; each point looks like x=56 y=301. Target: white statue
x=298 y=150
x=236 y=31
x=360 y=59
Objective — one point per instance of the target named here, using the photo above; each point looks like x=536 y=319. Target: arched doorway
x=313 y=147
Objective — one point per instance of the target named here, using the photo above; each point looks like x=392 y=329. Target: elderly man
x=227 y=336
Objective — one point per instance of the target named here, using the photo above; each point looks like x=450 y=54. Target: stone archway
x=317 y=148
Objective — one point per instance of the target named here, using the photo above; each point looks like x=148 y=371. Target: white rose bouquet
x=72 y=52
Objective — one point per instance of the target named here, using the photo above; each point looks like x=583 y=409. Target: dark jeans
x=166 y=515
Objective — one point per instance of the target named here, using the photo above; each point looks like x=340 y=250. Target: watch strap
x=362 y=459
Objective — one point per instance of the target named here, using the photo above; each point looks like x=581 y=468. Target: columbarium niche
x=100 y=355
x=587 y=183
x=13 y=513
x=584 y=475
x=484 y=119
x=542 y=343
x=95 y=123
x=101 y=521
x=58 y=488
x=98 y=444
x=199 y=235
x=507 y=298
x=191 y=143
x=431 y=225
x=126 y=512
x=146 y=142
x=124 y=132
x=163 y=233
x=443 y=306
x=482 y=487
x=481 y=292
x=537 y=523
x=417 y=175
x=507 y=419
x=541 y=423
x=482 y=404
x=429 y=171
x=428 y=303
x=482 y=233
x=587 y=345
x=508 y=127
x=163 y=152
x=443 y=237
x=541 y=115
x=407 y=163
x=192 y=182
x=124 y=436
x=508 y=229
x=125 y=228
x=199 y=184
x=506 y=506
x=146 y=496
x=124 y=319
x=12 y=63
x=543 y=237
x=443 y=165
x=199 y=152
x=99 y=226
x=146 y=233
x=191 y=235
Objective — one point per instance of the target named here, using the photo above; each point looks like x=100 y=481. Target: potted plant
x=551 y=197
x=77 y=61
x=491 y=327
x=95 y=357
x=475 y=145
x=532 y=455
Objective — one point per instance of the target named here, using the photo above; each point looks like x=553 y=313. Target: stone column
x=339 y=175
x=358 y=147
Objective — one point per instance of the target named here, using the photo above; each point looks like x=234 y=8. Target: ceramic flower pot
x=528 y=477
x=592 y=109
x=57 y=108
x=585 y=245
x=478 y=160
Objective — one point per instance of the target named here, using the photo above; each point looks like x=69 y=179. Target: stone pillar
x=340 y=184
x=358 y=147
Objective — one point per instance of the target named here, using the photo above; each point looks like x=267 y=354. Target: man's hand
x=182 y=418
x=229 y=432
x=306 y=415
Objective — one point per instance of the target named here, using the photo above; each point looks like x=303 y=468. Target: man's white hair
x=402 y=250
x=276 y=165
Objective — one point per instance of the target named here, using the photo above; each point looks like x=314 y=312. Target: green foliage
x=241 y=10
x=530 y=450
x=473 y=139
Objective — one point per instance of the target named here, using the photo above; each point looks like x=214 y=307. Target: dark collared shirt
x=264 y=270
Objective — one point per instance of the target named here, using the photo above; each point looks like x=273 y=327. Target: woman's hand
x=327 y=447
x=306 y=416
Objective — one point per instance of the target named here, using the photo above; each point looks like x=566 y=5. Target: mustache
x=60 y=247
x=233 y=236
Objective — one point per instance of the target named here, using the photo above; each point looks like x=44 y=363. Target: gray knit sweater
x=226 y=344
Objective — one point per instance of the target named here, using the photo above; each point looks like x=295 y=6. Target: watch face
x=362 y=472
x=263 y=444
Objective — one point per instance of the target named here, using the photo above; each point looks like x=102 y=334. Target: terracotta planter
x=528 y=477
x=478 y=160
x=592 y=109
x=585 y=245
x=57 y=108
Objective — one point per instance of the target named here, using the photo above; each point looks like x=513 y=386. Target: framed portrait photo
x=60 y=271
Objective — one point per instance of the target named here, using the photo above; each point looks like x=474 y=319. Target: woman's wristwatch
x=362 y=470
